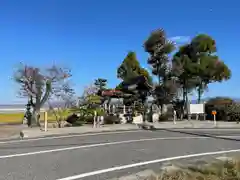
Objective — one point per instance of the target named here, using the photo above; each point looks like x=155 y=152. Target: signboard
x=196 y=109
x=214 y=113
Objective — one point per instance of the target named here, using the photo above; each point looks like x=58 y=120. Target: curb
x=90 y=132
x=16 y=136
x=196 y=129
x=138 y=176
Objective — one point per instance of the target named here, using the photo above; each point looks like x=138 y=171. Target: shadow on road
x=207 y=133
x=201 y=134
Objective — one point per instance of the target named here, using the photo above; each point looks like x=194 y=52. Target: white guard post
x=124 y=109
x=174 y=116
x=94 y=119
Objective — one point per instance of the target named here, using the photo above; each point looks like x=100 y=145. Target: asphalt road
x=82 y=157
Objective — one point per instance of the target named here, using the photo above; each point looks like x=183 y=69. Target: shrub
x=111 y=120
x=87 y=119
x=72 y=119
x=219 y=104
x=163 y=117
x=233 y=111
x=77 y=123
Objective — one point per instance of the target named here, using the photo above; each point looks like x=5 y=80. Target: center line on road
x=103 y=144
x=117 y=168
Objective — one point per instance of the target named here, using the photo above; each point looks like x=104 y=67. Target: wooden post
x=45 y=120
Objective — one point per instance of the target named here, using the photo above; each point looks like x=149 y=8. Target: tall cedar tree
x=159 y=48
x=128 y=70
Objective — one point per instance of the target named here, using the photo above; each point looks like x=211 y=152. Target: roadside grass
x=216 y=170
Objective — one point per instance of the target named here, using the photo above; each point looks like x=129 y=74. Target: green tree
x=199 y=65
x=210 y=67
x=159 y=48
x=185 y=70
x=131 y=68
x=101 y=83
x=38 y=86
x=211 y=70
x=131 y=73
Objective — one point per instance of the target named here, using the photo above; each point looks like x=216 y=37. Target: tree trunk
x=186 y=105
x=161 y=109
x=36 y=118
x=59 y=122
x=185 y=100
x=200 y=91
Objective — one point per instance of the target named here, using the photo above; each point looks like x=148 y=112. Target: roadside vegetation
x=216 y=170
x=176 y=72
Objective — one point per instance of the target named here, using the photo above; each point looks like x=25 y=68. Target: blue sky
x=92 y=37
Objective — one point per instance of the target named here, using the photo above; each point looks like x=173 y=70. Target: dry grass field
x=17 y=118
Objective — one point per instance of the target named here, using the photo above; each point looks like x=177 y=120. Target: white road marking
x=117 y=168
x=96 y=145
x=100 y=145
x=69 y=136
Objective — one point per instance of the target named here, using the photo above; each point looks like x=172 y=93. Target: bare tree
x=64 y=96
x=89 y=93
x=38 y=85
